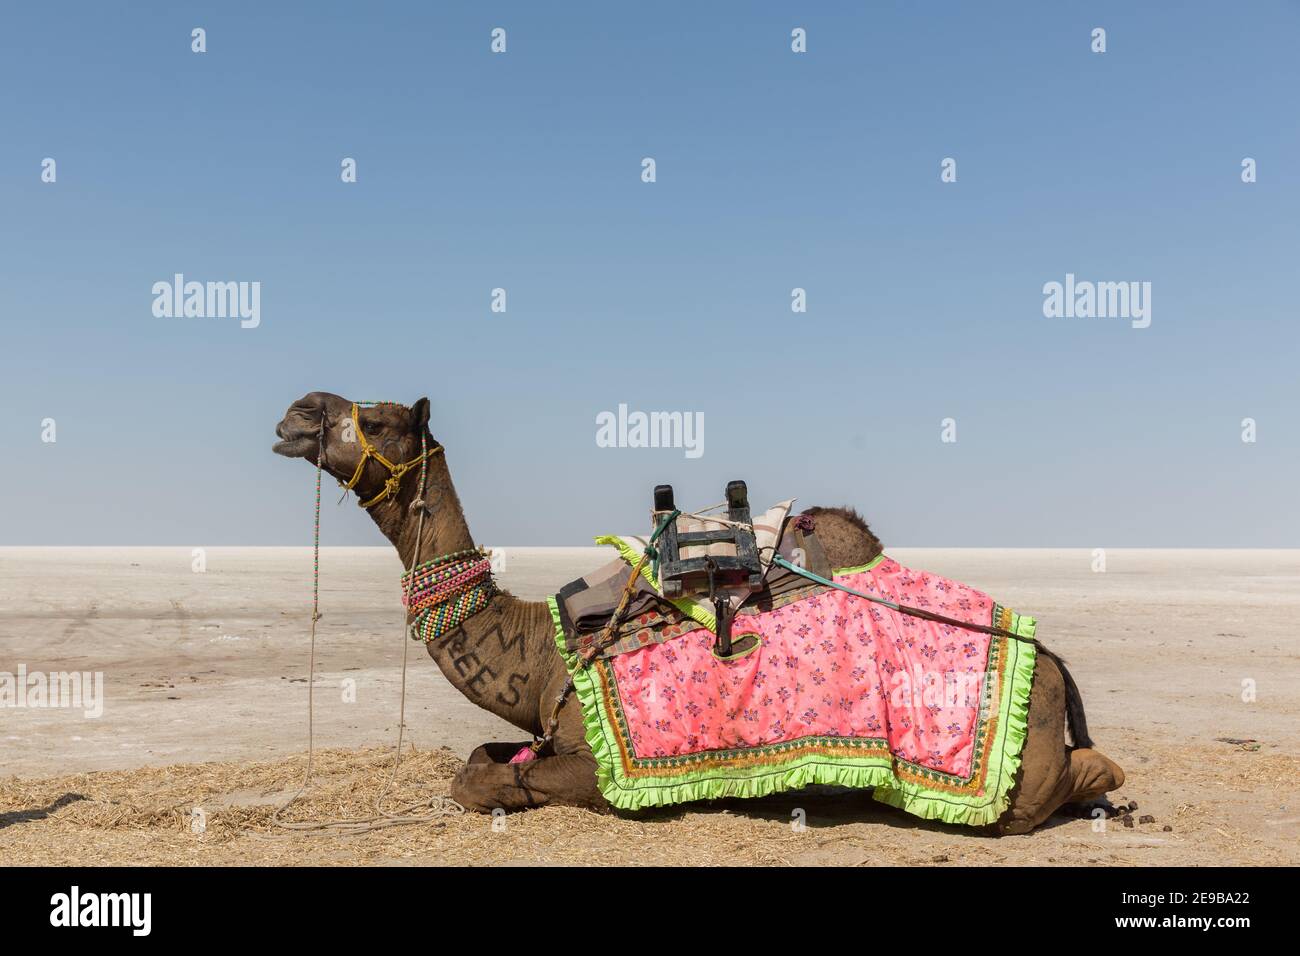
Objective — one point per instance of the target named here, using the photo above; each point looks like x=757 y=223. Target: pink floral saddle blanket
x=836 y=690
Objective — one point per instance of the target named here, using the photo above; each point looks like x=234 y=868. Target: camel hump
x=844 y=535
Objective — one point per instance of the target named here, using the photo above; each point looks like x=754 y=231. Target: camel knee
x=1094 y=774
x=466 y=796
x=467 y=788
x=485 y=784
x=1117 y=775
x=489 y=781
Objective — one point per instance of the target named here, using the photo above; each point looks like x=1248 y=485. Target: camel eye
x=373 y=428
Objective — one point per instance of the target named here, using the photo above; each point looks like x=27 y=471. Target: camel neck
x=499 y=658
x=444 y=530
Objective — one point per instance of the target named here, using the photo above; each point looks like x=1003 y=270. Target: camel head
x=393 y=431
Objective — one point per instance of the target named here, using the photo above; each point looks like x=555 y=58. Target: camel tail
x=1074 y=714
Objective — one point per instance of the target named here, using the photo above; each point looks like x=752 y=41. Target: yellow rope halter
x=395 y=471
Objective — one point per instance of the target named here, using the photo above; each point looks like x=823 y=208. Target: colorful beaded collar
x=446 y=592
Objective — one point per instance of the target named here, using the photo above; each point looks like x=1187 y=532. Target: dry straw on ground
x=147 y=817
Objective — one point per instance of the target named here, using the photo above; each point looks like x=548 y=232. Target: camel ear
x=420 y=416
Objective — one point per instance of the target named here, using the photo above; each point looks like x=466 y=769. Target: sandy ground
x=210 y=667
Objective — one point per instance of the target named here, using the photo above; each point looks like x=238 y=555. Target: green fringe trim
x=872 y=770
x=840 y=572
x=584 y=686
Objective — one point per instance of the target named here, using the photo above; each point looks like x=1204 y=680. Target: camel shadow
x=15 y=817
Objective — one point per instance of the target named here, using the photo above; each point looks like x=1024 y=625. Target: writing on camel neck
x=503 y=656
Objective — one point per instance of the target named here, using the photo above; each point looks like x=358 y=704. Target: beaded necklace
x=446 y=592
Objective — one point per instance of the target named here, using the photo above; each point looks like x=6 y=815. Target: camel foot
x=1087 y=810
x=488 y=781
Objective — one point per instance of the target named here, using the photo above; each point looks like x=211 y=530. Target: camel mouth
x=294 y=447
x=294 y=443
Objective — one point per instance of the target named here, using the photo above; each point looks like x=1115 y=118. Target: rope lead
x=903 y=608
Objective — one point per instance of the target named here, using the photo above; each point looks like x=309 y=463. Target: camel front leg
x=489 y=781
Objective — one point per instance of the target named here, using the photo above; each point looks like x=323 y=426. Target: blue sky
x=775 y=170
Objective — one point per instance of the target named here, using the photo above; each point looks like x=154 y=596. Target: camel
x=504 y=659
